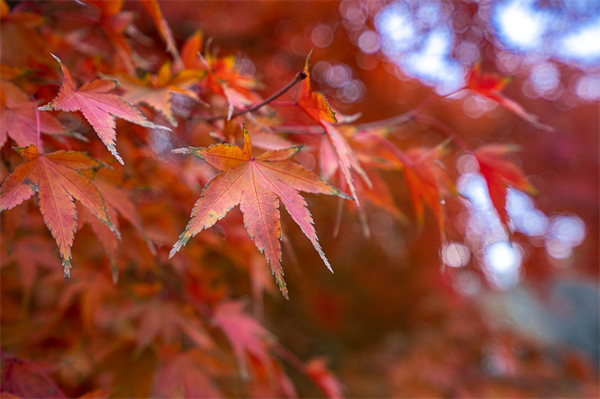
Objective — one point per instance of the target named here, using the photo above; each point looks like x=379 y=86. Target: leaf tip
x=56 y=58
x=67 y=269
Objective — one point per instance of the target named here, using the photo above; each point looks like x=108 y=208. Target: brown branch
x=299 y=77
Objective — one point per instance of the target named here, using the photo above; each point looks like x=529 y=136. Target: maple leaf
x=255 y=183
x=317 y=370
x=57 y=180
x=27 y=379
x=244 y=333
x=153 y=9
x=428 y=183
x=158 y=317
x=223 y=76
x=490 y=85
x=346 y=159
x=500 y=173
x=31 y=254
x=316 y=106
x=114 y=23
x=18 y=120
x=156 y=90
x=314 y=103
x=98 y=107
x=117 y=202
x=187 y=375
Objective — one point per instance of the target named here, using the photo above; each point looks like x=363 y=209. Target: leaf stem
x=37 y=125
x=290 y=357
x=444 y=129
x=299 y=77
x=397 y=152
x=398 y=119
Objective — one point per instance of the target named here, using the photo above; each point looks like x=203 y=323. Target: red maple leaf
x=18 y=120
x=255 y=183
x=500 y=173
x=57 y=179
x=490 y=86
x=98 y=106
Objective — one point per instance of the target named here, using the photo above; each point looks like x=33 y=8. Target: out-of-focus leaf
x=500 y=173
x=490 y=86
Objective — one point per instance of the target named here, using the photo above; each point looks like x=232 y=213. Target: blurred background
x=486 y=313
x=506 y=312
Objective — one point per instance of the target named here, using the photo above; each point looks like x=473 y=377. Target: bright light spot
x=455 y=254
x=502 y=262
x=396 y=28
x=473 y=187
x=545 y=77
x=368 y=42
x=322 y=36
x=523 y=215
x=319 y=71
x=519 y=25
x=351 y=91
x=429 y=12
x=433 y=65
x=468 y=53
x=582 y=45
x=353 y=12
x=420 y=44
x=588 y=88
x=567 y=229
x=558 y=249
x=467 y=282
x=467 y=164
x=338 y=75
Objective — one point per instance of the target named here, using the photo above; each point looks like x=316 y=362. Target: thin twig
x=289 y=357
x=397 y=152
x=299 y=77
x=398 y=119
x=447 y=130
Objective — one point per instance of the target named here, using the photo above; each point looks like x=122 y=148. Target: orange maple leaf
x=490 y=85
x=18 y=120
x=223 y=76
x=153 y=9
x=156 y=90
x=99 y=107
x=58 y=182
x=499 y=174
x=316 y=106
x=314 y=103
x=255 y=183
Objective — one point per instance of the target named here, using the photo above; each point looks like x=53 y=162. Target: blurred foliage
x=393 y=320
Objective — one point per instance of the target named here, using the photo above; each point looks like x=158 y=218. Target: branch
x=299 y=77
x=445 y=129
